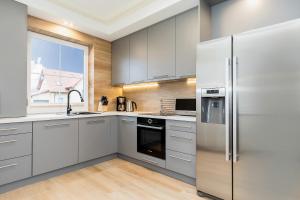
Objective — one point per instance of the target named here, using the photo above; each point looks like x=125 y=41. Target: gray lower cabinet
x=114 y=133
x=161 y=50
x=181 y=163
x=181 y=147
x=184 y=142
x=138 y=56
x=187 y=37
x=120 y=61
x=95 y=138
x=13 y=59
x=15 y=128
x=181 y=126
x=55 y=145
x=15 y=169
x=12 y=146
x=128 y=136
x=152 y=160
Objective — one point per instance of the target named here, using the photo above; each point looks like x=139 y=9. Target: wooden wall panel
x=99 y=59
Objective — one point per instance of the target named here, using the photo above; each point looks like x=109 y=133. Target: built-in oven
x=151 y=137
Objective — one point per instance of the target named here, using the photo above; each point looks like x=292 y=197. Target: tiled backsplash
x=148 y=98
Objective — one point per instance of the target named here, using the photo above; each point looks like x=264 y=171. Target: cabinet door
x=187 y=36
x=114 y=130
x=13 y=59
x=161 y=50
x=55 y=145
x=94 y=138
x=128 y=136
x=120 y=61
x=138 y=56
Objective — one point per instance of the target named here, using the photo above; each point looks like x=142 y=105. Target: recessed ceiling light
x=69 y=24
x=252 y=2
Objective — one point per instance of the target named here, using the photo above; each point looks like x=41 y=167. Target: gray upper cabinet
x=187 y=37
x=138 y=56
x=94 y=138
x=166 y=50
x=161 y=50
x=120 y=61
x=128 y=136
x=13 y=59
x=55 y=145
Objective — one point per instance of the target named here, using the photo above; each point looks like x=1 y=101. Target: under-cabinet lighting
x=141 y=85
x=191 y=81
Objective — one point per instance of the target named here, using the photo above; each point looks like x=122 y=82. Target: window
x=55 y=68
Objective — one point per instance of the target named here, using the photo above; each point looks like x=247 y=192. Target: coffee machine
x=121 y=103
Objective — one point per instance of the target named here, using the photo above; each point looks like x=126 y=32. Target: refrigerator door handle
x=234 y=110
x=227 y=108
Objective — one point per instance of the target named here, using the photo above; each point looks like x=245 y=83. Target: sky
x=72 y=59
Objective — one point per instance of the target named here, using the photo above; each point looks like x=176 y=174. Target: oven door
x=151 y=140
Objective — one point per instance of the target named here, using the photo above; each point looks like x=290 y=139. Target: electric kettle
x=130 y=106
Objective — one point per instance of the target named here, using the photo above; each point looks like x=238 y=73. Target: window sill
x=55 y=108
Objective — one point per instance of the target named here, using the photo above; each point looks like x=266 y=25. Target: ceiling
x=107 y=19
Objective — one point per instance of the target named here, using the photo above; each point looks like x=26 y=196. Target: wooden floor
x=112 y=180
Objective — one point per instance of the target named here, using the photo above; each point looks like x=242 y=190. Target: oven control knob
x=149 y=121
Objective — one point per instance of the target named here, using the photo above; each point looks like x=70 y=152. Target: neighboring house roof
x=53 y=81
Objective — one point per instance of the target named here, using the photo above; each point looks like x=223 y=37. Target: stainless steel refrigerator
x=248 y=115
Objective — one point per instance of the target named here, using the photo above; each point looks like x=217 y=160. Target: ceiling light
x=252 y=3
x=69 y=24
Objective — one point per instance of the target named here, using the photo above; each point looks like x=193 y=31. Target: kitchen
x=149 y=99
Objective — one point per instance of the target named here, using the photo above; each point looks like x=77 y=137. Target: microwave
x=185 y=106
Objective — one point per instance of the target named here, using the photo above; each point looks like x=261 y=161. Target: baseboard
x=181 y=177
x=12 y=186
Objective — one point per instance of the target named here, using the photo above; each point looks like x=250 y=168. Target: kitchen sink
x=85 y=113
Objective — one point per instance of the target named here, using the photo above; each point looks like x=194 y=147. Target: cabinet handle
x=150 y=161
x=126 y=120
x=176 y=126
x=162 y=76
x=56 y=125
x=8 y=141
x=178 y=158
x=9 y=129
x=96 y=121
x=175 y=136
x=7 y=166
x=151 y=127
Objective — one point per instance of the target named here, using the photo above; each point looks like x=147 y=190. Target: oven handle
x=151 y=127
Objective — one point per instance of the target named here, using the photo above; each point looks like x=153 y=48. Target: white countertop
x=45 y=117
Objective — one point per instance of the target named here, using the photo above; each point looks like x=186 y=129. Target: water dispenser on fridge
x=213 y=106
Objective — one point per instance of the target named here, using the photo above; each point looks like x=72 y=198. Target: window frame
x=57 y=108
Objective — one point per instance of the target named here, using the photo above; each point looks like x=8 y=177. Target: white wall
x=235 y=16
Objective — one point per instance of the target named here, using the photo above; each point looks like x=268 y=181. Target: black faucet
x=69 y=108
